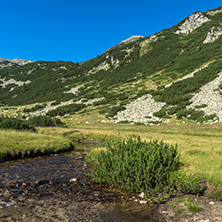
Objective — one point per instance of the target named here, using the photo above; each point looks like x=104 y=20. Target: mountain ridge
x=7 y=63
x=147 y=80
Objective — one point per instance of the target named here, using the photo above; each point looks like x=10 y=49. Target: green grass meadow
x=200 y=145
x=24 y=143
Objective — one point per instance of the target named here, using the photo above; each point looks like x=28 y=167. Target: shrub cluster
x=191 y=184
x=114 y=110
x=45 y=121
x=15 y=123
x=136 y=165
x=35 y=108
x=68 y=109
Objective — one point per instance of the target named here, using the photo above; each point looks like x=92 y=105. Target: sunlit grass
x=16 y=142
x=200 y=145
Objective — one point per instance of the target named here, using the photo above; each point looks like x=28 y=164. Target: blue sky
x=71 y=30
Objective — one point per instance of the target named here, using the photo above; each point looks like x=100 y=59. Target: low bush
x=182 y=113
x=214 y=192
x=192 y=184
x=45 y=121
x=161 y=113
x=68 y=109
x=197 y=115
x=114 y=110
x=35 y=108
x=15 y=123
x=194 y=207
x=136 y=165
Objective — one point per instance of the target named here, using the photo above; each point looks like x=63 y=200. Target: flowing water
x=58 y=188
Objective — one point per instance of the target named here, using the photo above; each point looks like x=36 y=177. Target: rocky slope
x=173 y=73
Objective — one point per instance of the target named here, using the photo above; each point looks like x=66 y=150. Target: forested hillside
x=174 y=73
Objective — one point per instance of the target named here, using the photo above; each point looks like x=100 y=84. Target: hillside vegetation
x=168 y=68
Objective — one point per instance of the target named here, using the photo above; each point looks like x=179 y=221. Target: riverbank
x=177 y=209
x=23 y=144
x=57 y=188
x=199 y=145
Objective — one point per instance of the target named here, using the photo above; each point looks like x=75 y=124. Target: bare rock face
x=2 y=59
x=140 y=110
x=211 y=96
x=7 y=63
x=213 y=34
x=193 y=22
x=21 y=62
x=214 y=12
x=131 y=39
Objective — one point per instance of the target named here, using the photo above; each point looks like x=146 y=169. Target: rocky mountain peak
x=13 y=62
x=21 y=61
x=131 y=39
x=127 y=41
x=214 y=11
x=2 y=59
x=193 y=22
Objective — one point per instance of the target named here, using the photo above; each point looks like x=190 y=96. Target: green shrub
x=214 y=192
x=136 y=165
x=192 y=184
x=161 y=113
x=179 y=211
x=15 y=123
x=182 y=113
x=101 y=102
x=35 y=108
x=114 y=110
x=194 y=207
x=68 y=109
x=201 y=106
x=45 y=121
x=196 y=115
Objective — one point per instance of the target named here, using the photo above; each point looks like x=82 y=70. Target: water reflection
x=40 y=189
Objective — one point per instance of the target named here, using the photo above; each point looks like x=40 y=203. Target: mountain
x=173 y=74
x=8 y=63
x=127 y=41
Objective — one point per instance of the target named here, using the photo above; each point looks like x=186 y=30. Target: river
x=58 y=188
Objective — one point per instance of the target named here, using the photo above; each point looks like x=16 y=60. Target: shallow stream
x=58 y=188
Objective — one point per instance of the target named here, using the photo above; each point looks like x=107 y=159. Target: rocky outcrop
x=74 y=90
x=131 y=39
x=213 y=34
x=103 y=66
x=127 y=41
x=21 y=62
x=145 y=45
x=140 y=110
x=49 y=107
x=215 y=12
x=7 y=63
x=187 y=76
x=13 y=81
x=193 y=22
x=209 y=95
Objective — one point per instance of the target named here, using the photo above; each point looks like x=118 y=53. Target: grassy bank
x=200 y=145
x=16 y=144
